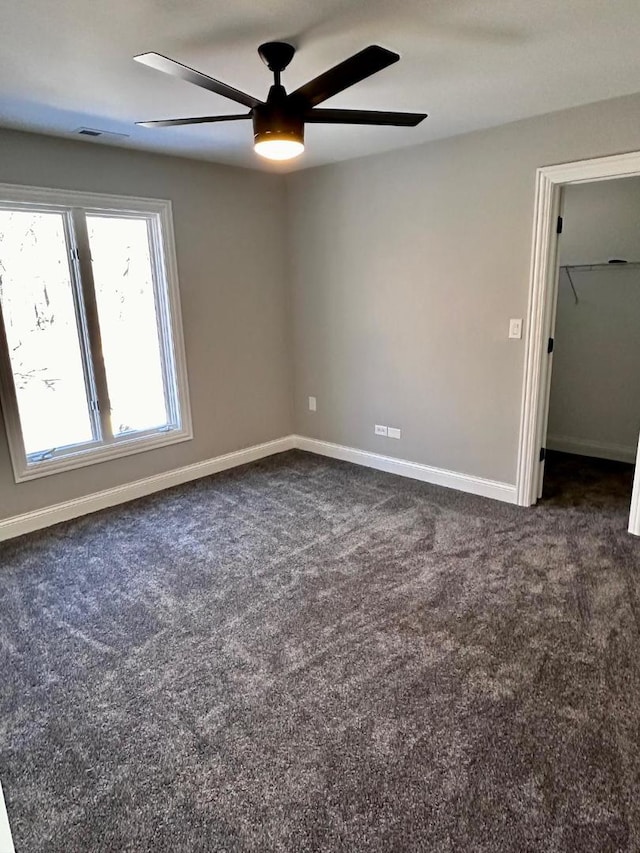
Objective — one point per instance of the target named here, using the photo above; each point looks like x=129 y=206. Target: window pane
x=42 y=334
x=128 y=322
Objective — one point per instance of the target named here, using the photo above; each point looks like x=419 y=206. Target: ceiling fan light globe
x=275 y=148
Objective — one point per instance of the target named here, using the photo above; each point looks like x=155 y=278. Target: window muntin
x=89 y=293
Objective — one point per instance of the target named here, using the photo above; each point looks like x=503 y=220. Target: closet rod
x=568 y=268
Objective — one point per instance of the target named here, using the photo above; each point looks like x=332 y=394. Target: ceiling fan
x=278 y=122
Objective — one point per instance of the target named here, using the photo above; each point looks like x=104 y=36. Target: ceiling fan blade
x=358 y=67
x=364 y=117
x=176 y=69
x=173 y=122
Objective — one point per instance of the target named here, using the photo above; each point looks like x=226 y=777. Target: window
x=91 y=355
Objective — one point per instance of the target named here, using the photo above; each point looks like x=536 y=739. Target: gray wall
x=595 y=385
x=405 y=270
x=231 y=262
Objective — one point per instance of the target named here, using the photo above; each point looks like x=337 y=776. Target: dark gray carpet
x=302 y=655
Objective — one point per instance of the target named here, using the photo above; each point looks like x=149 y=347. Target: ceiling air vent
x=92 y=131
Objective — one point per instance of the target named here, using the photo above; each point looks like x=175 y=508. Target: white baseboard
x=586 y=447
x=40 y=518
x=30 y=521
x=415 y=470
x=6 y=842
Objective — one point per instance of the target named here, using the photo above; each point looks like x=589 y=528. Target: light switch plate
x=313 y=404
x=515 y=328
x=393 y=432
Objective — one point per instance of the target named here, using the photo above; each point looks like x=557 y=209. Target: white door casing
x=6 y=842
x=541 y=314
x=551 y=312
x=634 y=515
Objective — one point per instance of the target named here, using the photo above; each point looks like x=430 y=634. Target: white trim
x=415 y=470
x=18 y=525
x=634 y=514
x=595 y=169
x=6 y=842
x=158 y=213
x=549 y=181
x=102 y=453
x=534 y=376
x=30 y=521
x=587 y=447
x=51 y=196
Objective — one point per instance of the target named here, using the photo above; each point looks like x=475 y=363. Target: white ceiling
x=468 y=63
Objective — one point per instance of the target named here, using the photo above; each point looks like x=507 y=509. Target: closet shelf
x=569 y=268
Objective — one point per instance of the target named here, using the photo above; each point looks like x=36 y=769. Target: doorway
x=594 y=406
x=543 y=301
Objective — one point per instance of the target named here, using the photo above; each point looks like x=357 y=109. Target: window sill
x=105 y=453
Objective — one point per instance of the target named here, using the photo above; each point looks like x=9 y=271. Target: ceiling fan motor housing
x=277 y=120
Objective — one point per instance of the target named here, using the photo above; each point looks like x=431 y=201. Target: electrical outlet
x=380 y=430
x=313 y=404
x=392 y=432
x=515 y=328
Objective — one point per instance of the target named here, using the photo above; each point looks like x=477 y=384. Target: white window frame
x=158 y=214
